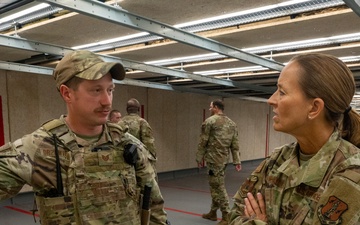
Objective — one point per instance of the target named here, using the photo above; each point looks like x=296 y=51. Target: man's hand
x=255 y=209
x=238 y=167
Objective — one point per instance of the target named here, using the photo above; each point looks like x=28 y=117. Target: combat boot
x=224 y=219
x=210 y=216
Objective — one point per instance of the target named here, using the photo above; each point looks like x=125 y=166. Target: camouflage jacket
x=219 y=136
x=323 y=190
x=141 y=129
x=98 y=186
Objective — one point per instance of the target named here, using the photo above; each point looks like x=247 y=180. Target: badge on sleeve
x=248 y=185
x=331 y=212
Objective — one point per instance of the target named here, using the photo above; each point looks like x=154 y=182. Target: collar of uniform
x=105 y=137
x=133 y=114
x=313 y=171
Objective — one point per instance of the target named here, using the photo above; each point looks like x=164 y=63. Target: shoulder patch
x=248 y=186
x=339 y=203
x=331 y=212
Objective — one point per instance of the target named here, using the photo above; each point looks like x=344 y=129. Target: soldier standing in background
x=139 y=127
x=219 y=137
x=114 y=116
x=80 y=166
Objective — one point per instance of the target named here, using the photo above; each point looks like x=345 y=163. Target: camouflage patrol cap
x=86 y=65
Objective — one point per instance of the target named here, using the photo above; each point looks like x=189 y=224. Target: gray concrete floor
x=186 y=195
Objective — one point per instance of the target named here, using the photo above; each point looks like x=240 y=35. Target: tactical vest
x=99 y=186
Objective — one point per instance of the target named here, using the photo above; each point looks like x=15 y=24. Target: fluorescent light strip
x=211 y=19
x=266 y=48
x=128 y=37
x=260 y=9
x=231 y=70
x=24 y=12
x=255 y=50
x=305 y=43
x=193 y=58
x=350 y=58
x=260 y=68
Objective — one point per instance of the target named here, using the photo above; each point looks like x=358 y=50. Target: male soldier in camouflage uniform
x=83 y=170
x=114 y=116
x=219 y=136
x=139 y=127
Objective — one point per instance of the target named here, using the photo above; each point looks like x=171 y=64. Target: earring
x=309 y=117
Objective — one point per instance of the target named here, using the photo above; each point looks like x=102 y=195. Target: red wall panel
x=2 y=135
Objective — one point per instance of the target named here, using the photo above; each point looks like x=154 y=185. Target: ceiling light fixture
x=100 y=43
x=26 y=16
x=232 y=19
x=194 y=58
x=305 y=43
x=348 y=59
x=241 y=13
x=24 y=12
x=231 y=70
x=268 y=48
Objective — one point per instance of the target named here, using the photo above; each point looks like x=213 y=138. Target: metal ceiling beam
x=24 y=44
x=119 y=16
x=354 y=5
x=16 y=5
x=25 y=68
x=185 y=89
x=49 y=71
x=183 y=74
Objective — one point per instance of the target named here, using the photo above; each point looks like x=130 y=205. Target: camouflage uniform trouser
x=216 y=176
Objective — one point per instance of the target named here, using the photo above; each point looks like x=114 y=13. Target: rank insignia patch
x=331 y=212
x=248 y=185
x=105 y=158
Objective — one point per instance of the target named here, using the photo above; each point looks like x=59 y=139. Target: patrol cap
x=86 y=65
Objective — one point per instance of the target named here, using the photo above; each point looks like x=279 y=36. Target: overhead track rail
x=354 y=5
x=49 y=71
x=119 y=16
x=25 y=44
